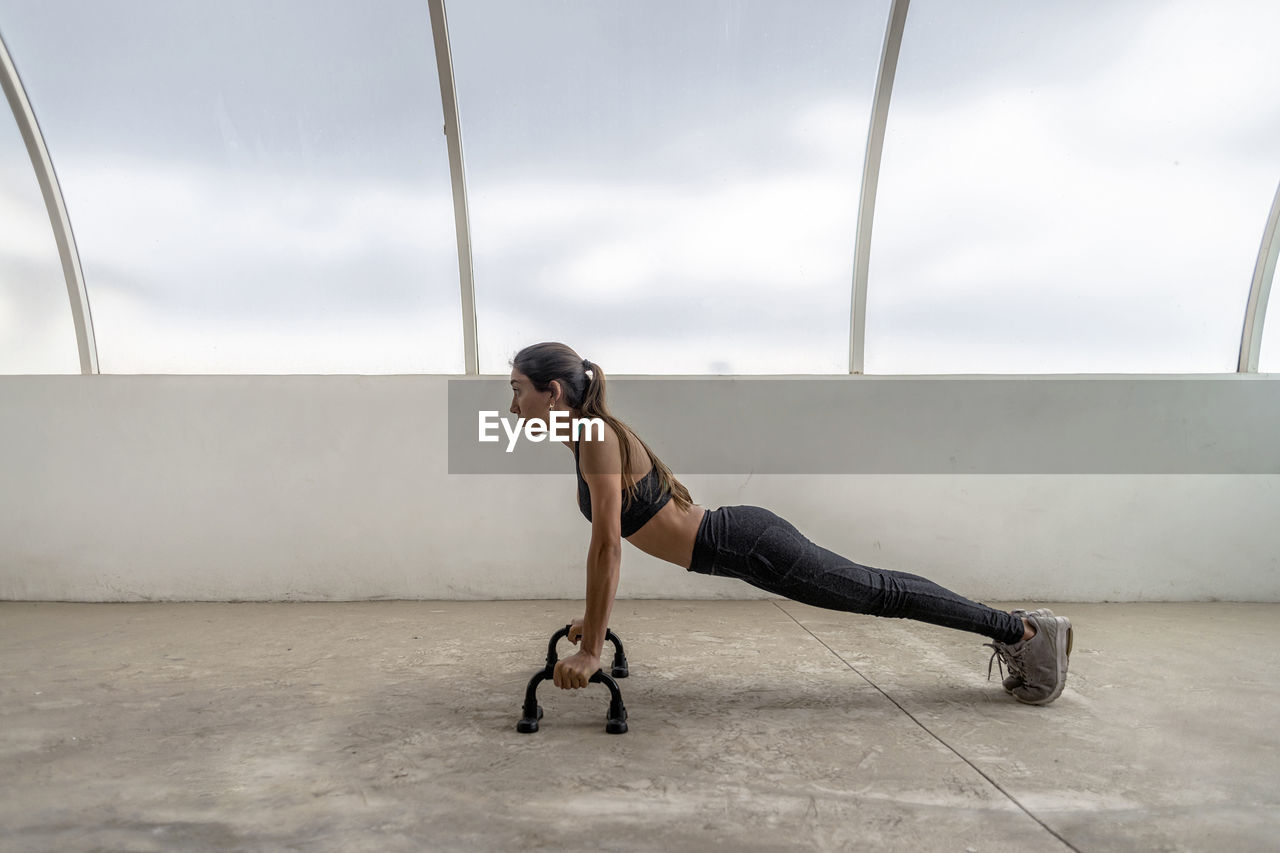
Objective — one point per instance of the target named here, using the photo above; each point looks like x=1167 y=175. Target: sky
x=263 y=187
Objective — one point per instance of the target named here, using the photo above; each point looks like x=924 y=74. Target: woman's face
x=529 y=403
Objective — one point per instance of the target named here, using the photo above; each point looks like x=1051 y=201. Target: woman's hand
x=575 y=671
x=575 y=631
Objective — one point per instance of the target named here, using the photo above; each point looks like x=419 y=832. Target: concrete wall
x=123 y=488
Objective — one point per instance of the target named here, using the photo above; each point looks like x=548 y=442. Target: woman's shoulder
x=605 y=455
x=599 y=454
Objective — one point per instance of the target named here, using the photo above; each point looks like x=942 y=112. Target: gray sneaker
x=1011 y=681
x=1041 y=662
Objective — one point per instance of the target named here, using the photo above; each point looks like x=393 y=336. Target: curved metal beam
x=871 y=180
x=55 y=205
x=1264 y=271
x=457 y=174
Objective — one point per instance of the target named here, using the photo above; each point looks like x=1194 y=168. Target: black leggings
x=765 y=550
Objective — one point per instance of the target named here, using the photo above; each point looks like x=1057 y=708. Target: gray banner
x=907 y=425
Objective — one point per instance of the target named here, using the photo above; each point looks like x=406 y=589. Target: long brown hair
x=583 y=382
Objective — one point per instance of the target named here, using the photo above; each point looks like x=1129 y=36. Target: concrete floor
x=758 y=725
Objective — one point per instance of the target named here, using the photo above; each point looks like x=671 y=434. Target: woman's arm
x=604 y=566
x=604 y=559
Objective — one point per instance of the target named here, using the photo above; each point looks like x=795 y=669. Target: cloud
x=36 y=331
x=138 y=338
x=194 y=270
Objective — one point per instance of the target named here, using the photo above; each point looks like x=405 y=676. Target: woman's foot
x=1013 y=680
x=1039 y=663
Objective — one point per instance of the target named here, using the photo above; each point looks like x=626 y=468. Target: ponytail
x=584 y=384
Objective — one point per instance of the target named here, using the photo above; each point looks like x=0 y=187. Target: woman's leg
x=767 y=551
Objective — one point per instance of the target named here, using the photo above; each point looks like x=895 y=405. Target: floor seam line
x=930 y=732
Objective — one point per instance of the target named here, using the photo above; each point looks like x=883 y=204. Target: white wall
x=123 y=488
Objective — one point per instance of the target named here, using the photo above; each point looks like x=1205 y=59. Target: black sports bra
x=648 y=499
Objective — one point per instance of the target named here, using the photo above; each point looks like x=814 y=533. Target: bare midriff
x=670 y=534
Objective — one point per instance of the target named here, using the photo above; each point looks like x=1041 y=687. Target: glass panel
x=667 y=187
x=37 y=334
x=1066 y=192
x=255 y=187
x=1269 y=353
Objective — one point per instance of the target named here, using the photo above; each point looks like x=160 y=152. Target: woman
x=651 y=509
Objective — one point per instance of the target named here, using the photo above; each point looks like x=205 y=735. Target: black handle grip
x=619 y=668
x=615 y=722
